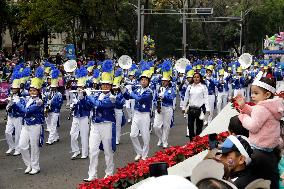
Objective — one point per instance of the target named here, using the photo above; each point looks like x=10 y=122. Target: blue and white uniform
x=141 y=119
x=81 y=111
x=54 y=103
x=14 y=122
x=164 y=118
x=31 y=133
x=102 y=131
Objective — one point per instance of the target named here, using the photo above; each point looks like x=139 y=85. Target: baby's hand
x=240 y=100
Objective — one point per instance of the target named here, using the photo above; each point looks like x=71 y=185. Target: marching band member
x=103 y=124
x=32 y=130
x=25 y=82
x=129 y=84
x=120 y=101
x=141 y=119
x=180 y=83
x=81 y=112
x=230 y=81
x=164 y=112
x=70 y=84
x=15 y=116
x=90 y=67
x=53 y=103
x=211 y=85
x=196 y=96
x=239 y=82
x=223 y=90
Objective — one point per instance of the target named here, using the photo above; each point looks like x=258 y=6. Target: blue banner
x=70 y=51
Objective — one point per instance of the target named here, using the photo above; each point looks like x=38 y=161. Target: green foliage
x=93 y=21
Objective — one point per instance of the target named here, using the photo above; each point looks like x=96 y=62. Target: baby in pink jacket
x=263 y=119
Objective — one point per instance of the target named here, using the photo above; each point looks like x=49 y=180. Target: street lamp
x=241 y=25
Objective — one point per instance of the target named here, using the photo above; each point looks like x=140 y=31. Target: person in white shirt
x=196 y=97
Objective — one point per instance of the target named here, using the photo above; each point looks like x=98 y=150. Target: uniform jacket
x=103 y=108
x=33 y=113
x=143 y=101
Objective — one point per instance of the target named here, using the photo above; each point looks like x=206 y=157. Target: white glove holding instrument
x=112 y=98
x=39 y=102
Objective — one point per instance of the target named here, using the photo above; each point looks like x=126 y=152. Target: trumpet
x=160 y=100
x=10 y=98
x=72 y=108
x=92 y=90
x=48 y=107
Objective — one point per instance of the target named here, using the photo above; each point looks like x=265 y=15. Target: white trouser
x=129 y=105
x=140 y=122
x=174 y=103
x=211 y=107
x=162 y=123
x=30 y=136
x=118 y=120
x=80 y=125
x=222 y=100
x=181 y=103
x=239 y=91
x=13 y=123
x=68 y=96
x=100 y=132
x=51 y=122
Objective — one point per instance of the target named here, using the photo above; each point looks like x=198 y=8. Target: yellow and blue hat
x=210 y=65
x=54 y=78
x=199 y=64
x=145 y=69
x=16 y=79
x=117 y=77
x=189 y=71
x=25 y=75
x=107 y=72
x=90 y=66
x=81 y=76
x=132 y=69
x=37 y=81
x=152 y=68
x=167 y=70
x=96 y=76
x=221 y=72
x=47 y=67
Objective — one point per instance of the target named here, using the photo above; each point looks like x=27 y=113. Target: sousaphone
x=181 y=64
x=125 y=62
x=70 y=66
x=245 y=60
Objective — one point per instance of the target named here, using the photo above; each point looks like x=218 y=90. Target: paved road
x=58 y=171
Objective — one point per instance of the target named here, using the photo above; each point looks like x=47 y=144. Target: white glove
x=39 y=102
x=161 y=95
x=123 y=90
x=75 y=101
x=112 y=98
x=80 y=95
x=49 y=102
x=17 y=99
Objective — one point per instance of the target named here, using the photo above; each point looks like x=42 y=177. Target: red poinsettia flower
x=134 y=172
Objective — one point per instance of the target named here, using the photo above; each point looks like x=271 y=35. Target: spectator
x=236 y=127
x=263 y=123
x=236 y=153
x=58 y=60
